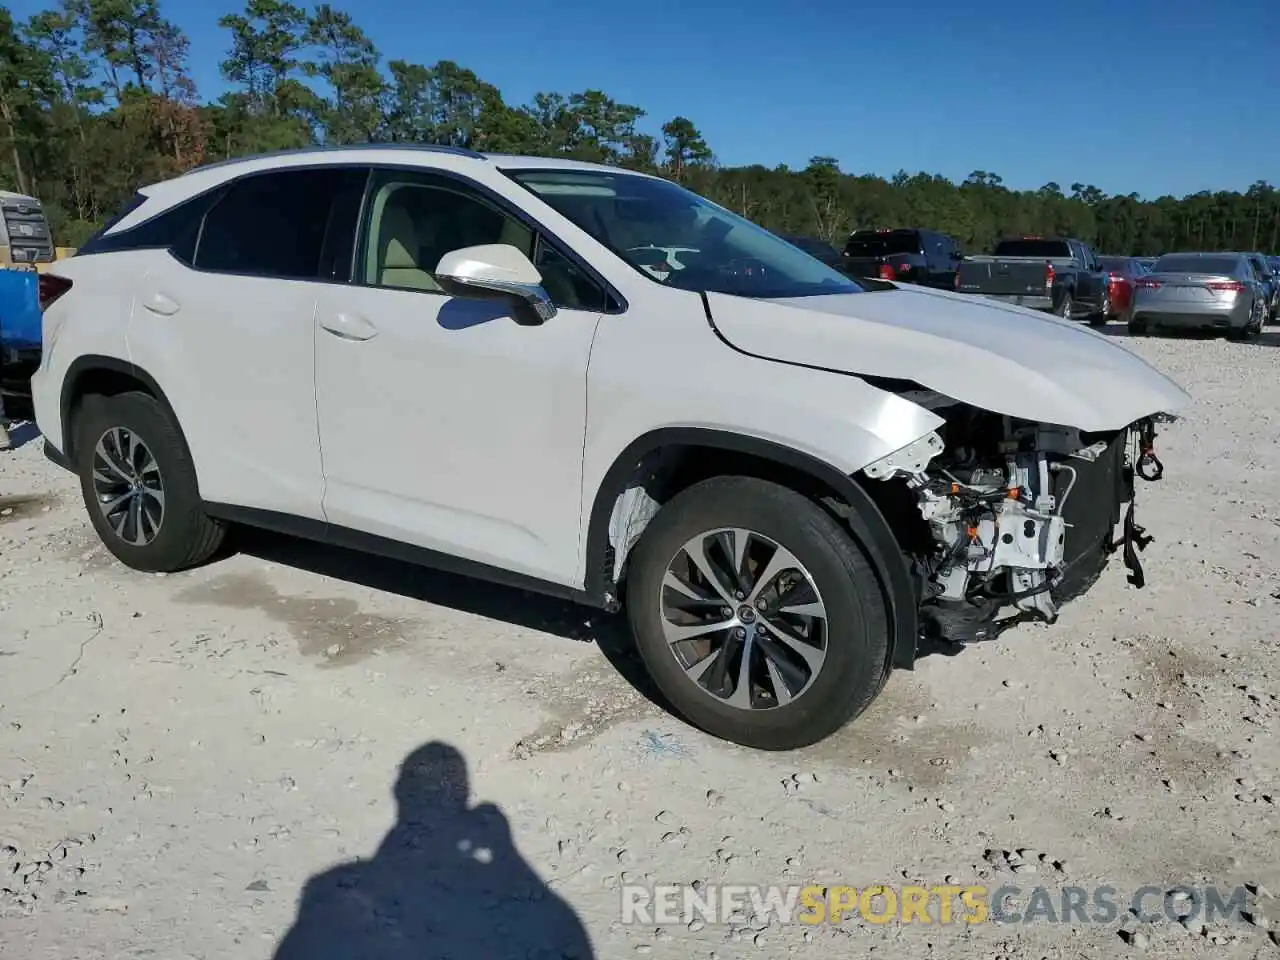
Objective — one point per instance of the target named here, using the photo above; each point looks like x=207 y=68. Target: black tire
x=1064 y=306
x=1138 y=328
x=1100 y=318
x=187 y=536
x=1250 y=330
x=857 y=641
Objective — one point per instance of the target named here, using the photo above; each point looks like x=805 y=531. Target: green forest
x=96 y=99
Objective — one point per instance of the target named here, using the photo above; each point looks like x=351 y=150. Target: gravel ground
x=181 y=757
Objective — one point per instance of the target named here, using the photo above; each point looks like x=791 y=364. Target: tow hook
x=1148 y=467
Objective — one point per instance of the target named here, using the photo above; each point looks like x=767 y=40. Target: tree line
x=97 y=99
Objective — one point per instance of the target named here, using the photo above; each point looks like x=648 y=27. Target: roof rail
x=339 y=148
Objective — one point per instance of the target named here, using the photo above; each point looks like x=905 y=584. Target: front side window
x=412 y=220
x=270 y=225
x=677 y=238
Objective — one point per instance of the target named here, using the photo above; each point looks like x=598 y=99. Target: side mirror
x=497 y=271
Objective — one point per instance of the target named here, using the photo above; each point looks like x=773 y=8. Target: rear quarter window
x=174 y=229
x=1032 y=248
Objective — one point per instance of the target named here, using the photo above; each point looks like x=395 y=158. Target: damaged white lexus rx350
x=788 y=480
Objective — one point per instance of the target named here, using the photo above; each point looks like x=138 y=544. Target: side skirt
x=362 y=542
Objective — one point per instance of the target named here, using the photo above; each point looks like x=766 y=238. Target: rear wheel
x=139 y=484
x=1099 y=319
x=1253 y=327
x=1138 y=327
x=1064 y=306
x=757 y=614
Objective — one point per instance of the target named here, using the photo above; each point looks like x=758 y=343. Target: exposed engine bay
x=1021 y=517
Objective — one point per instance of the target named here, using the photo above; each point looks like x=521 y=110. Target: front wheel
x=757 y=614
x=139 y=484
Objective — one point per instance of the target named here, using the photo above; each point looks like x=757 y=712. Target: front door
x=443 y=422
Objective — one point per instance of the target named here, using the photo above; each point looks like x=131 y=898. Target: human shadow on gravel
x=537 y=612
x=446 y=882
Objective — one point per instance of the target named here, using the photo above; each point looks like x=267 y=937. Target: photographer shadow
x=446 y=882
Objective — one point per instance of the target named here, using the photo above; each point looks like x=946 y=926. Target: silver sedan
x=1206 y=291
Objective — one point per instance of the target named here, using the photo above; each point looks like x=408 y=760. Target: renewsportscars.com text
x=942 y=904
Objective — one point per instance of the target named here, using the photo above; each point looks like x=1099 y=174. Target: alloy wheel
x=128 y=486
x=744 y=619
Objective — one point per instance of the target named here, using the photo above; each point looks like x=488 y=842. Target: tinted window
x=415 y=219
x=175 y=230
x=882 y=244
x=270 y=225
x=1122 y=265
x=1033 y=248
x=677 y=238
x=567 y=285
x=1183 y=263
x=133 y=203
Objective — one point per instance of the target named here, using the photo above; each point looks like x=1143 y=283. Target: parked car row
x=1233 y=292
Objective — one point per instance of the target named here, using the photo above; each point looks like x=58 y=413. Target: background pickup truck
x=907 y=256
x=1062 y=276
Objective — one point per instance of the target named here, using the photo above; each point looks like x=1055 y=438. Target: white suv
x=789 y=480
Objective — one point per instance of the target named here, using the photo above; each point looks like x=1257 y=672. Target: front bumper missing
x=1096 y=517
x=1134 y=538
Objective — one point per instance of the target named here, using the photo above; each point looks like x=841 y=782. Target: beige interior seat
x=398 y=247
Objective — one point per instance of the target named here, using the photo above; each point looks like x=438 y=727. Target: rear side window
x=883 y=244
x=270 y=225
x=1033 y=248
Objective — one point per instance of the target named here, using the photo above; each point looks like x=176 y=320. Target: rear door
x=231 y=334
x=942 y=271
x=1091 y=282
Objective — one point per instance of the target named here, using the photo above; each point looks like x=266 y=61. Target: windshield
x=681 y=240
x=1115 y=264
x=1174 y=263
x=882 y=244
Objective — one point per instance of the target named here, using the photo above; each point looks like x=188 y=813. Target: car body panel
x=500 y=454
x=100 y=302
x=1008 y=360
x=455 y=428
x=255 y=443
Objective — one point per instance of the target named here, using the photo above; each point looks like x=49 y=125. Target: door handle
x=349 y=326
x=162 y=304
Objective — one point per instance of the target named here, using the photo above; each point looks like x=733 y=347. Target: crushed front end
x=1015 y=518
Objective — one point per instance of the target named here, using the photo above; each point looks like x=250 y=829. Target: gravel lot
x=181 y=756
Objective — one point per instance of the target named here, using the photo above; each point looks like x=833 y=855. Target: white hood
x=1005 y=359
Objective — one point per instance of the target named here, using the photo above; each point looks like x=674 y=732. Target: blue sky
x=1172 y=97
